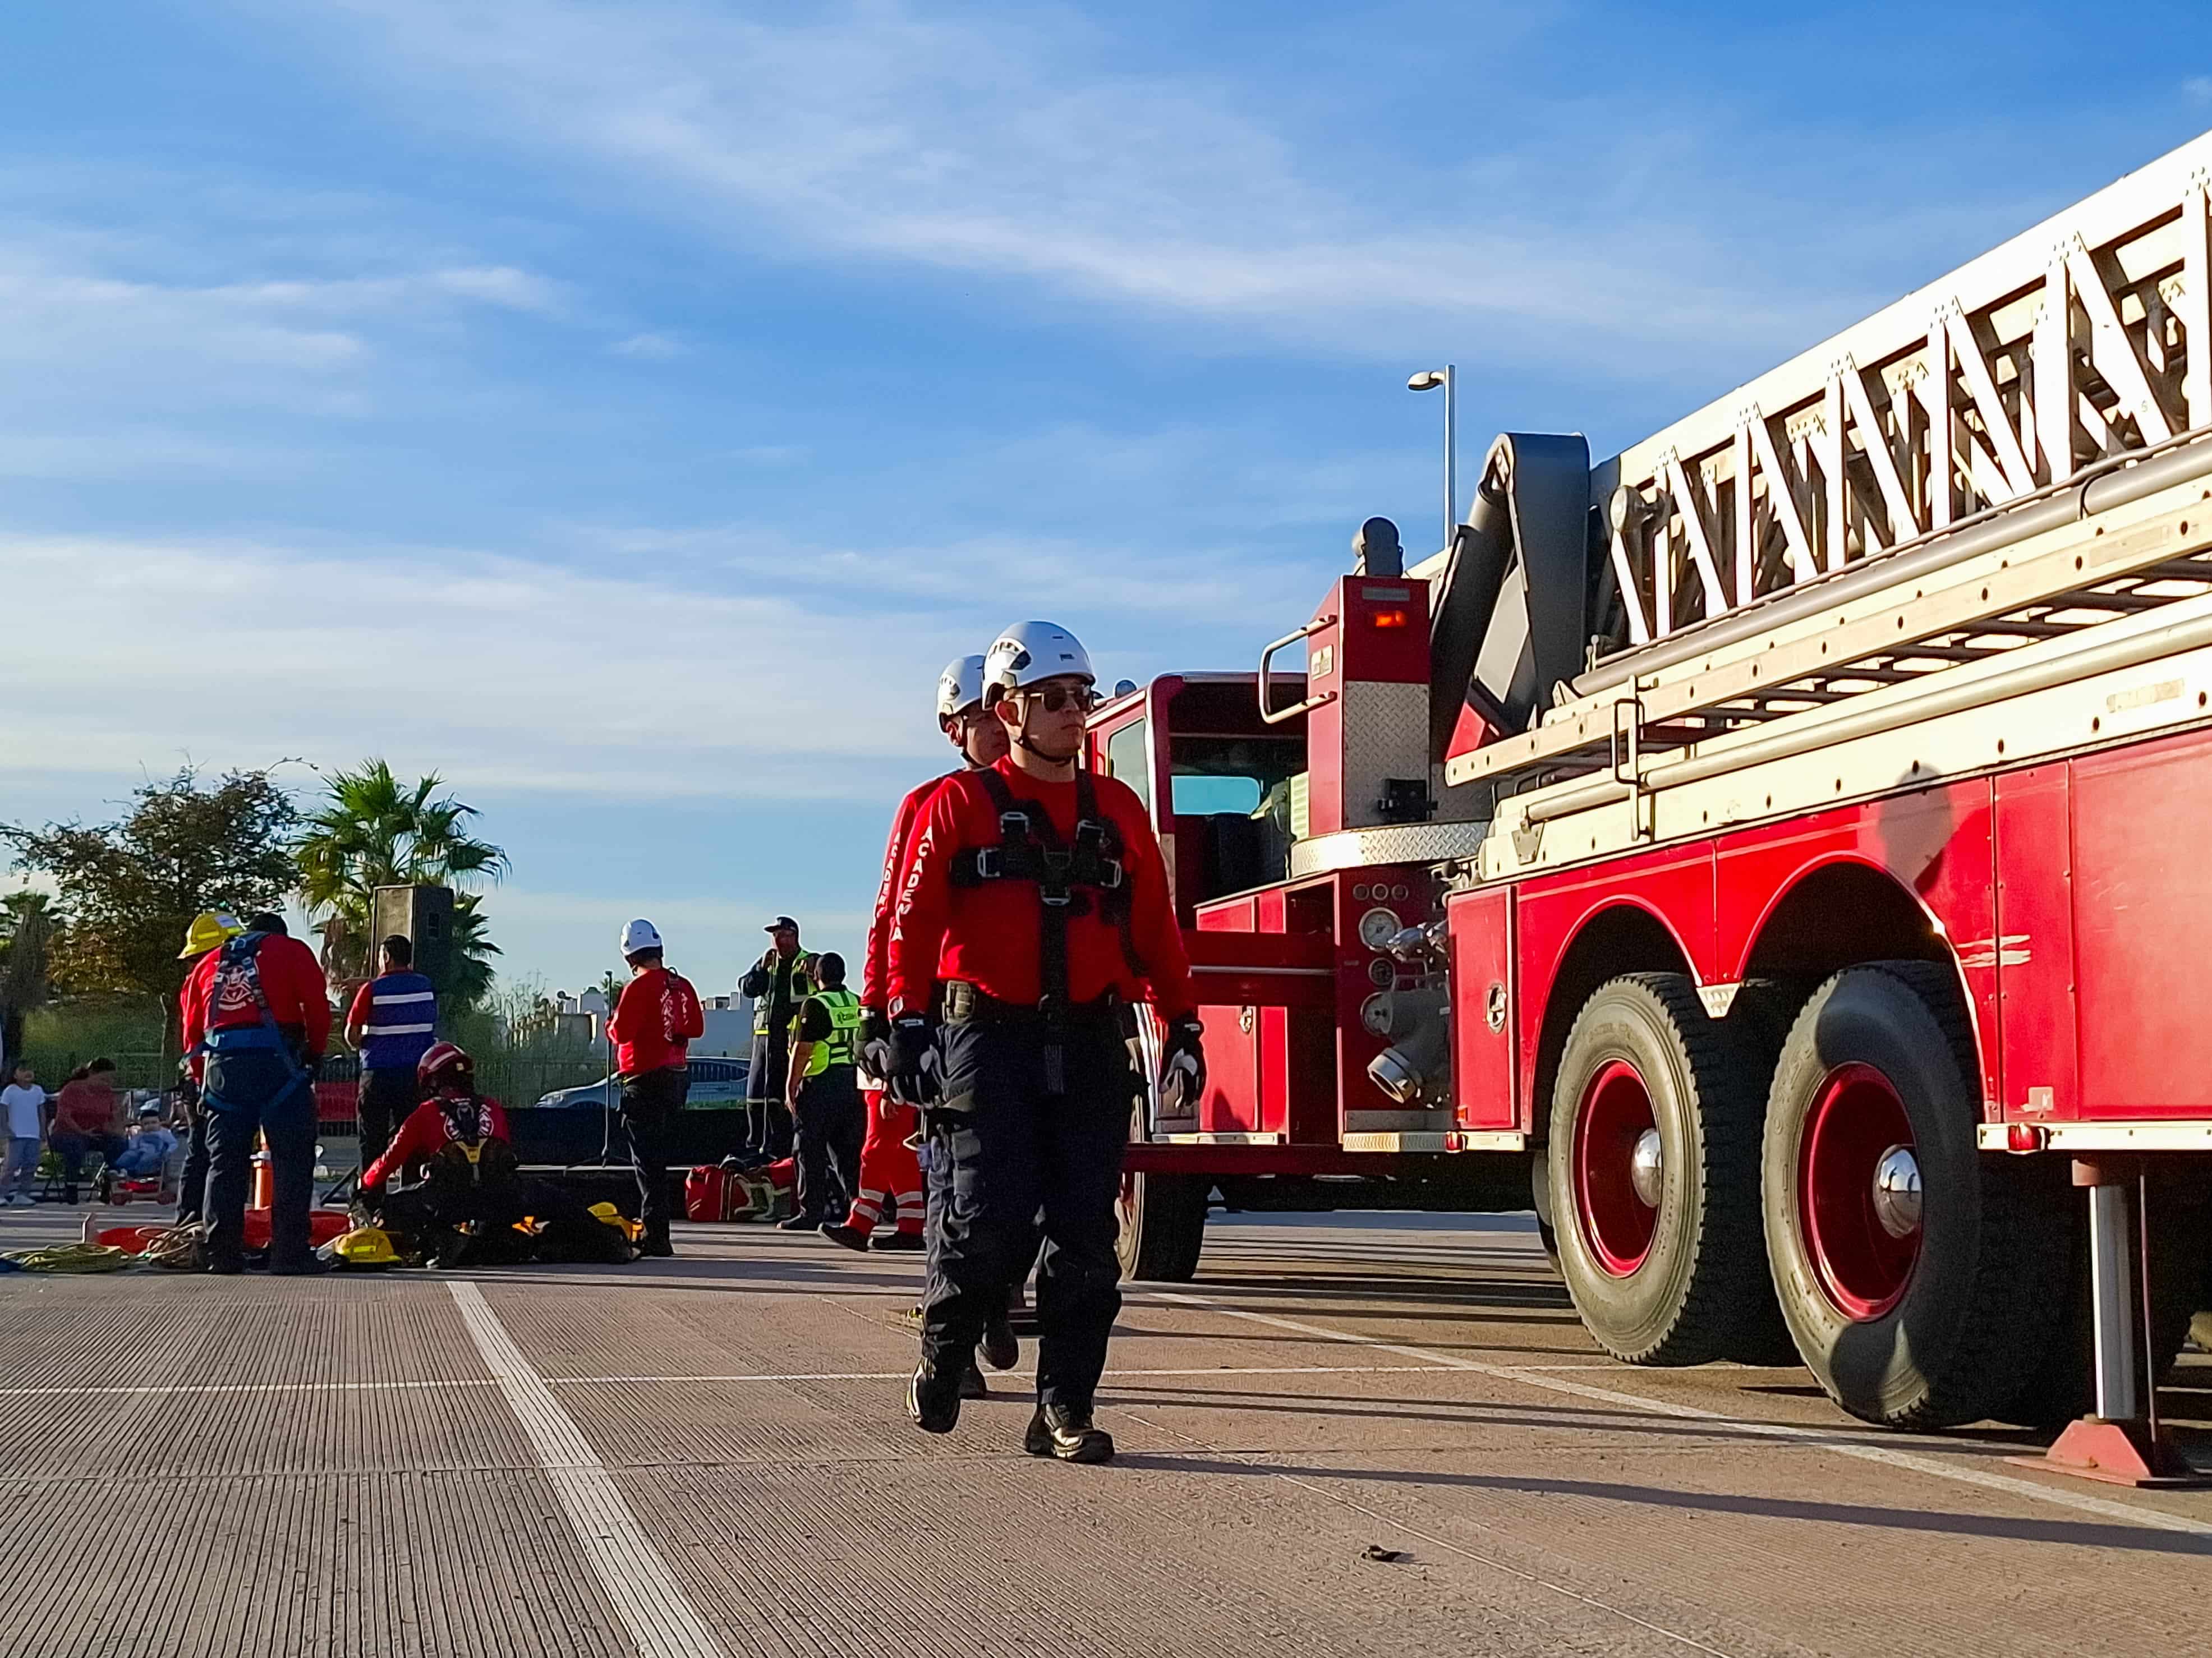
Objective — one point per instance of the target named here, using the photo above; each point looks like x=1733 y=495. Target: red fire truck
x=1780 y=854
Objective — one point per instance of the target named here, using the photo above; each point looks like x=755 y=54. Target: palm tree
x=372 y=831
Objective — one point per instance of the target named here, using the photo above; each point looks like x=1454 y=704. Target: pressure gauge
x=1377 y=928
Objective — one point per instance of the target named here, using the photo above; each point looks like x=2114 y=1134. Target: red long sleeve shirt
x=988 y=934
x=655 y=1023
x=875 y=966
x=292 y=980
x=423 y=1133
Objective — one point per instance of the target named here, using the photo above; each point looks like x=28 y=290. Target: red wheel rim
x=1616 y=1223
x=1856 y=1121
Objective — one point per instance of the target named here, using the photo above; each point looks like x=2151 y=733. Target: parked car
x=716 y=1080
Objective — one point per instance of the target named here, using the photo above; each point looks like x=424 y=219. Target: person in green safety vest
x=779 y=983
x=822 y=1090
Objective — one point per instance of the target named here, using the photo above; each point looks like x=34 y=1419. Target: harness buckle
x=988 y=859
x=1053 y=885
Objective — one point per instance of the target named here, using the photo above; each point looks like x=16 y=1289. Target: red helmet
x=441 y=1058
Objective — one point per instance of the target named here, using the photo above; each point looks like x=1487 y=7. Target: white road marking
x=661 y=1620
x=167 y=1389
x=1530 y=1377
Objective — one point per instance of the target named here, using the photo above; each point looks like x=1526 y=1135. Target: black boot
x=846 y=1236
x=972 y=1386
x=1001 y=1351
x=932 y=1399
x=1065 y=1431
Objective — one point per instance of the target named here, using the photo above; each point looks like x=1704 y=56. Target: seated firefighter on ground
x=469 y=1202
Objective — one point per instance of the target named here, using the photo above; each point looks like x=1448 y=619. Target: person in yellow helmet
x=210 y=930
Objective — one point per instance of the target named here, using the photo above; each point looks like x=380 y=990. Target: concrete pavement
x=1354 y=1434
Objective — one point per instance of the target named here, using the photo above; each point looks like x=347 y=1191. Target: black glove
x=911 y=1060
x=1182 y=1067
x=874 y=1043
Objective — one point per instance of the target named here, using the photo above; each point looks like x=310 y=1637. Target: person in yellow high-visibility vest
x=822 y=1090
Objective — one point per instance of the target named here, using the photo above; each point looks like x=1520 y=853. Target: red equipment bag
x=710 y=1193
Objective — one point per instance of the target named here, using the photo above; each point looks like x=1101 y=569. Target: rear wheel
x=1653 y=1163
x=1920 y=1279
x=1163 y=1226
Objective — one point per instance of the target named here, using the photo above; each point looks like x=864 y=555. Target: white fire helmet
x=639 y=934
x=1030 y=652
x=960 y=687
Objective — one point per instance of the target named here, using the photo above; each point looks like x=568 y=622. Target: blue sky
x=624 y=409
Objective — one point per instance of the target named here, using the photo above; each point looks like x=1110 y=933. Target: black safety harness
x=1073 y=878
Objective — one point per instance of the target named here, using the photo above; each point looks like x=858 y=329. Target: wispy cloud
x=2198 y=89
x=654 y=348
x=516 y=676
x=1009 y=150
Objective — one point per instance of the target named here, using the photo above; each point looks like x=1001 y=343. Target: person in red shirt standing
x=890 y=1174
x=653 y=1026
x=258 y=1011
x=1033 y=914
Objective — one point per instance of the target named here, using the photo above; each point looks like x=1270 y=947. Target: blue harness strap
x=242 y=955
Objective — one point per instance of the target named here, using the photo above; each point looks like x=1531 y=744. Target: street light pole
x=1447 y=379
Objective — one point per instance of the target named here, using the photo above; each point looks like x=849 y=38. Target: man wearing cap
x=392 y=1025
x=654 y=1024
x=210 y=930
x=779 y=983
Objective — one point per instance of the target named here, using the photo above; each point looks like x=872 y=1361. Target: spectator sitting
x=23 y=1119
x=85 y=1121
x=151 y=1143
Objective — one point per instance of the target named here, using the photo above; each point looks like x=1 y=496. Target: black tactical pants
x=831 y=1124
x=1003 y=1147
x=649 y=1105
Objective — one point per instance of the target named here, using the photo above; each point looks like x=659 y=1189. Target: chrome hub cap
x=1897 y=1192
x=1647 y=1169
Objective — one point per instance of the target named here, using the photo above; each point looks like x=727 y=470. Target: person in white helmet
x=1033 y=914
x=653 y=1027
x=890 y=1176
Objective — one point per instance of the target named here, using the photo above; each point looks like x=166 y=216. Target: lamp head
x=1427 y=381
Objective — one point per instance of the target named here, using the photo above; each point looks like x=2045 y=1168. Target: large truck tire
x=2062 y=1382
x=1163 y=1226
x=1921 y=1278
x=1654 y=1168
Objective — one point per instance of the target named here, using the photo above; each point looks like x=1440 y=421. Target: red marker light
x=2024 y=1137
x=1387 y=619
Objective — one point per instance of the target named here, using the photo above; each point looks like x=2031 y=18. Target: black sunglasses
x=1055 y=698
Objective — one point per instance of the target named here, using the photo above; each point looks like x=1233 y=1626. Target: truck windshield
x=1236 y=775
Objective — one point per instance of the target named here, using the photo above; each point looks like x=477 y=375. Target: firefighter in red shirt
x=1034 y=913
x=258 y=1012
x=890 y=1174
x=653 y=1027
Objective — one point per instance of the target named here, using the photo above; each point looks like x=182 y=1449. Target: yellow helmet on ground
x=365 y=1246
x=210 y=928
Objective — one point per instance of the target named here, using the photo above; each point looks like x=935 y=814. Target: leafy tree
x=27 y=927
x=374 y=831
x=132 y=887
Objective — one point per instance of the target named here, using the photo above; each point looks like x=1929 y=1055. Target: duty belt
x=966 y=1004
